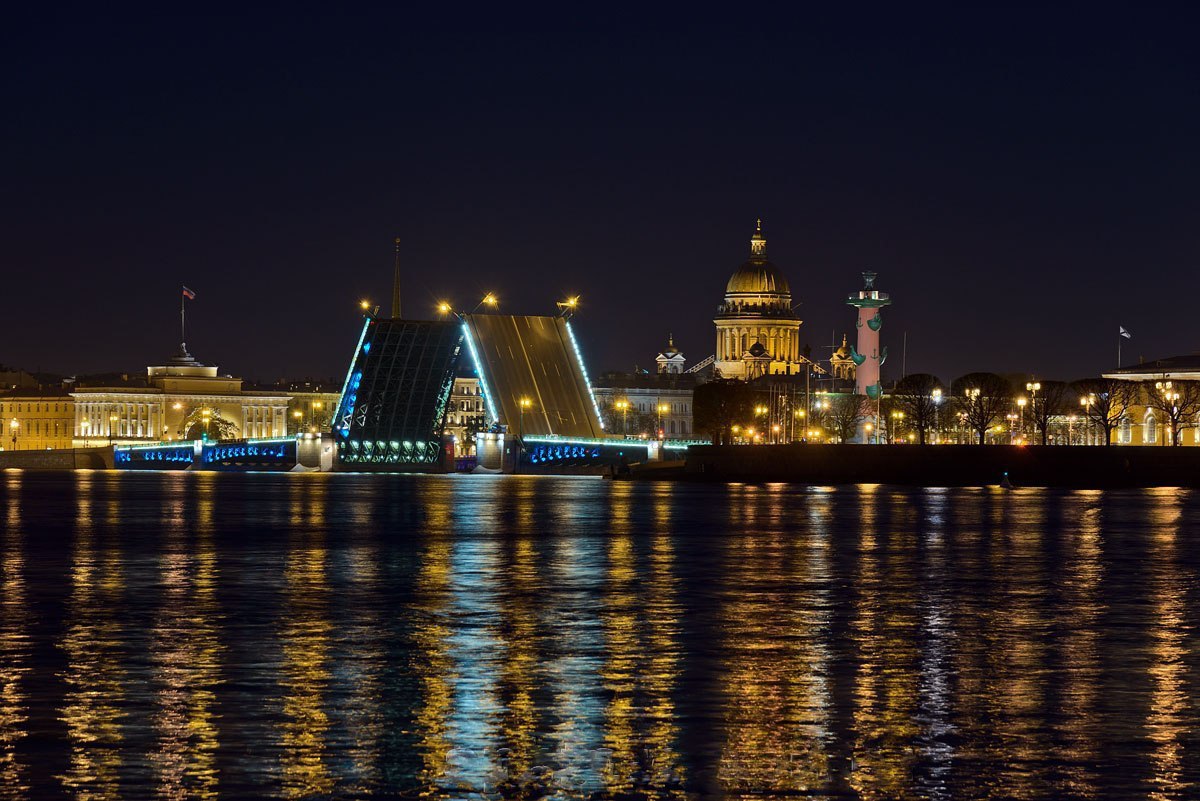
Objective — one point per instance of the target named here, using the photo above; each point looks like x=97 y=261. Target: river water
x=211 y=635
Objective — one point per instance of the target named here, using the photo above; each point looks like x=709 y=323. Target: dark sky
x=1023 y=181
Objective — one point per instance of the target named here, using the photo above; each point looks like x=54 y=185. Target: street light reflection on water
x=211 y=635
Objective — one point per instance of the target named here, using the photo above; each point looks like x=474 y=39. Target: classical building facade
x=1142 y=424
x=178 y=400
x=34 y=419
x=757 y=328
x=466 y=414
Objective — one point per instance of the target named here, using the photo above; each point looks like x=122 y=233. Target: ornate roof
x=758 y=276
x=842 y=353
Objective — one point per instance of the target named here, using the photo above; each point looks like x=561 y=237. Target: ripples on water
x=208 y=635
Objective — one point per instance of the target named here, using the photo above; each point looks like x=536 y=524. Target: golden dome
x=758 y=276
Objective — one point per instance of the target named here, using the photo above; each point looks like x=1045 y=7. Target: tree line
x=976 y=402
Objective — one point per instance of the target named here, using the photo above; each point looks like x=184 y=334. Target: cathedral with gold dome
x=758 y=330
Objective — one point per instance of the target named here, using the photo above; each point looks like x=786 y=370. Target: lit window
x=1150 y=432
x=1125 y=431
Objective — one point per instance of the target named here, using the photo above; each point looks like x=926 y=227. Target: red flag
x=189 y=294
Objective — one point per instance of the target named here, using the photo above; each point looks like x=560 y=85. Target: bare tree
x=1049 y=401
x=915 y=396
x=845 y=413
x=1105 y=402
x=1179 y=403
x=982 y=399
x=719 y=405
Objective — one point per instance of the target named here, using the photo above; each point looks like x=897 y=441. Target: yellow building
x=758 y=331
x=465 y=414
x=36 y=420
x=180 y=400
x=1143 y=424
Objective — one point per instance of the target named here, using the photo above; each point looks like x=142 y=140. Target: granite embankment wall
x=949 y=465
x=65 y=459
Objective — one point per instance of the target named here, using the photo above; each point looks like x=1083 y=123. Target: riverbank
x=942 y=465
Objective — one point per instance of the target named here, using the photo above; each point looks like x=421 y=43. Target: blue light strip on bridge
x=487 y=395
x=586 y=381
x=350 y=371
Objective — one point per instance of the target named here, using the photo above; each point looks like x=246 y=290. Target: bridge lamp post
x=112 y=423
x=206 y=417
x=523 y=404
x=489 y=299
x=662 y=409
x=83 y=429
x=15 y=427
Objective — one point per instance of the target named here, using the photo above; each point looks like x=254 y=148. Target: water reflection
x=15 y=649
x=332 y=636
x=96 y=646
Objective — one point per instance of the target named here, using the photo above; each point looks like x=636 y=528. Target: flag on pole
x=190 y=295
x=1125 y=333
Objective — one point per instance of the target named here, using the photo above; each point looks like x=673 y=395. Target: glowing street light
x=443 y=308
x=623 y=405
x=16 y=427
x=522 y=405
x=568 y=306
x=662 y=409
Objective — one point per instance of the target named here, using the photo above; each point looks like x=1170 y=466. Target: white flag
x=1125 y=333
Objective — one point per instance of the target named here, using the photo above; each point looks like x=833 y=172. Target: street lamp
x=937 y=407
x=443 y=308
x=297 y=415
x=567 y=307
x=522 y=404
x=623 y=405
x=16 y=427
x=662 y=409
x=489 y=299
x=1086 y=402
x=206 y=416
x=83 y=429
x=112 y=423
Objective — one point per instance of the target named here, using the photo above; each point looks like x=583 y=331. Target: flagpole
x=182 y=323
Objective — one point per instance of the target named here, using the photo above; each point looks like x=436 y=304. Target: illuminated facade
x=466 y=414
x=1142 y=424
x=42 y=420
x=176 y=401
x=757 y=329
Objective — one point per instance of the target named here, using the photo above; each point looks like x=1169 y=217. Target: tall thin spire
x=396 y=283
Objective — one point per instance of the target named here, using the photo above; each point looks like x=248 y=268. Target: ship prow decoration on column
x=868 y=355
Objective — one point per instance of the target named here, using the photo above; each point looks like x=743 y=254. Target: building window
x=1125 y=431
x=1150 y=432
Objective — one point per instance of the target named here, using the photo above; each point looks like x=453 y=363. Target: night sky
x=1023 y=182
